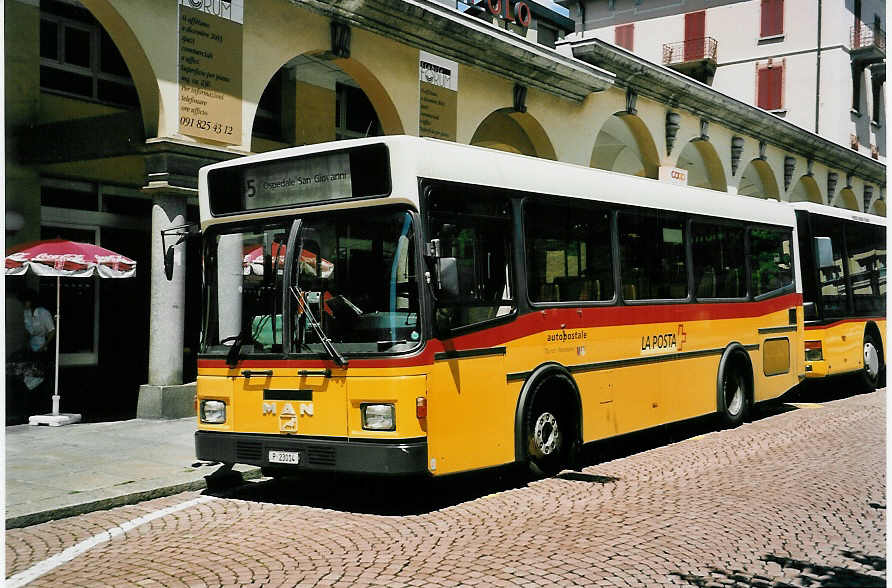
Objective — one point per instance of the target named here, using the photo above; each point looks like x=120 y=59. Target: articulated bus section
x=839 y=347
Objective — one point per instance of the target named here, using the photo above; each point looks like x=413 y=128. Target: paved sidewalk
x=56 y=472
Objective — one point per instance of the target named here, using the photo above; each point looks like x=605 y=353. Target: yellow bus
x=844 y=289
x=401 y=305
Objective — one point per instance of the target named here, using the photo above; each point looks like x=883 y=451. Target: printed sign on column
x=211 y=69
x=438 y=107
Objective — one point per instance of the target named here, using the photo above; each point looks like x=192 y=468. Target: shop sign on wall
x=673 y=175
x=438 y=106
x=210 y=71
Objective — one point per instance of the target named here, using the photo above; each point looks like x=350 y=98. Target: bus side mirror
x=824 y=252
x=168 y=263
x=446 y=270
x=183 y=232
x=447 y=277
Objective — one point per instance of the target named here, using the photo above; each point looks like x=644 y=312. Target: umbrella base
x=54 y=420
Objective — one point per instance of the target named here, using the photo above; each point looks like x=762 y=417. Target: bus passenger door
x=469 y=426
x=780 y=331
x=469 y=232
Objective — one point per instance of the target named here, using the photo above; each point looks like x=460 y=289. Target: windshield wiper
x=232 y=356
x=317 y=328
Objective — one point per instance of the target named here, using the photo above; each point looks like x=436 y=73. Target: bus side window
x=718 y=256
x=652 y=256
x=474 y=226
x=866 y=249
x=771 y=260
x=568 y=255
x=831 y=279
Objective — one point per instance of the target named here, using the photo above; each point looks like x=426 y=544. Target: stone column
x=165 y=396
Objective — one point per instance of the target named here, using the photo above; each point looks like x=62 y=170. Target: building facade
x=113 y=105
x=819 y=65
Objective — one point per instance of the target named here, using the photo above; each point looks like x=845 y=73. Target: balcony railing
x=690 y=50
x=868 y=36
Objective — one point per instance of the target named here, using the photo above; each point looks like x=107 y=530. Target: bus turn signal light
x=421 y=407
x=814 y=351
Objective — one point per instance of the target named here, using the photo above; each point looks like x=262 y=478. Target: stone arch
x=517 y=132
x=846 y=199
x=306 y=87
x=703 y=164
x=758 y=180
x=144 y=77
x=806 y=190
x=624 y=144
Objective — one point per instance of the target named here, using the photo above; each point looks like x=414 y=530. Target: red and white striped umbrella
x=61 y=258
x=253 y=260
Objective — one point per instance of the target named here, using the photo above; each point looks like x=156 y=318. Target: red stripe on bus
x=549 y=319
x=843 y=321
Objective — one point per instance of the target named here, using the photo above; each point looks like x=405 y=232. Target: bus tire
x=873 y=363
x=734 y=399
x=551 y=439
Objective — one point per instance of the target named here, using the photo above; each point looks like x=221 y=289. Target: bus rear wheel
x=734 y=398
x=870 y=376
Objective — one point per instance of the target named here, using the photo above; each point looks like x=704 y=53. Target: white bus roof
x=413 y=157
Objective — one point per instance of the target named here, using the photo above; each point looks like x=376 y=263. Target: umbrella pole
x=56 y=363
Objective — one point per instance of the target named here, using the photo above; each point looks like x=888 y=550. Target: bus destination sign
x=297 y=181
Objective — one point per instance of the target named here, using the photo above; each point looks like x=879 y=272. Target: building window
x=772 y=18
x=625 y=36
x=355 y=116
x=78 y=58
x=770 y=85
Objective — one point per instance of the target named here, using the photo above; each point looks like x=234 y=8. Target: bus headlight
x=378 y=417
x=213 y=411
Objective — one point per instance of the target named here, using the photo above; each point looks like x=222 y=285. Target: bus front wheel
x=870 y=376
x=734 y=397
x=551 y=440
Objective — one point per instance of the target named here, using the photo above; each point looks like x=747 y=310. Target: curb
x=52 y=514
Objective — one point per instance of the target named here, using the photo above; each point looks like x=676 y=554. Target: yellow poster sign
x=210 y=105
x=438 y=97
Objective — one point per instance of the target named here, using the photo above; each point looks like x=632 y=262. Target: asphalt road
x=795 y=497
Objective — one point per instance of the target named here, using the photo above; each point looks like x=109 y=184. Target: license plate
x=292 y=457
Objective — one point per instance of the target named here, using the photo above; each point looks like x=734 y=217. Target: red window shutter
x=772 y=18
x=694 y=34
x=770 y=88
x=625 y=36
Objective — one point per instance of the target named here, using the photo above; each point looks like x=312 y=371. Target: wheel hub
x=546 y=434
x=871 y=360
x=736 y=399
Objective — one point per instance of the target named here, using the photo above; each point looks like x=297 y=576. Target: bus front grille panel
x=321 y=455
x=248 y=450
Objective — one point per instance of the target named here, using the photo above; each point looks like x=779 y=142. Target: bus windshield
x=355 y=272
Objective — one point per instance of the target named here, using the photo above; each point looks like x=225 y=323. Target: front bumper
x=403 y=456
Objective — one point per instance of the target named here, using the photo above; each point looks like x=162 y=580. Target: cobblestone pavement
x=795 y=498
